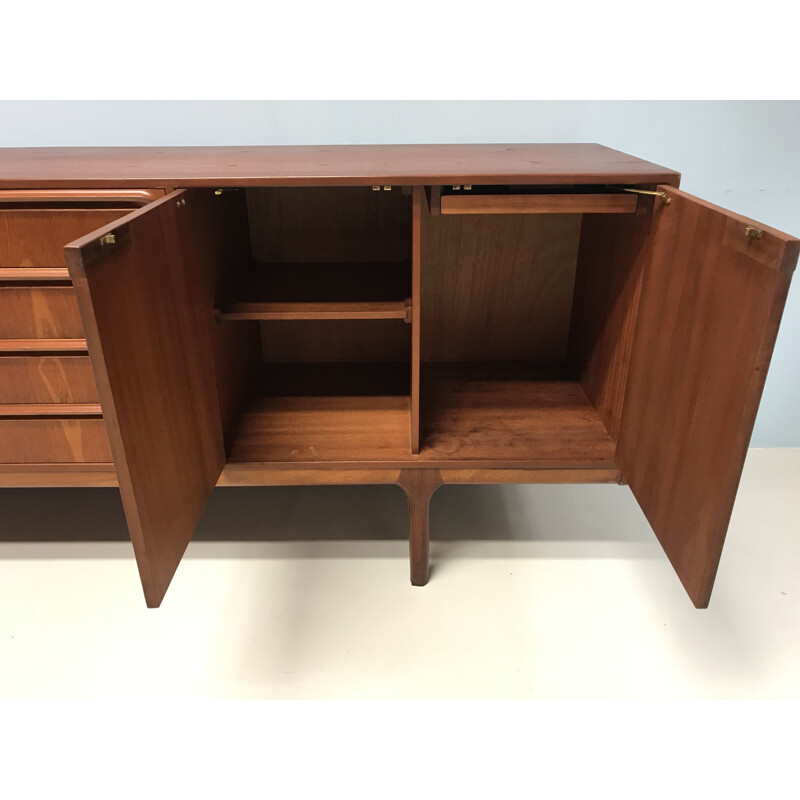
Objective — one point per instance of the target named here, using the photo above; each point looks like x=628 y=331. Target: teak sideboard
x=174 y=319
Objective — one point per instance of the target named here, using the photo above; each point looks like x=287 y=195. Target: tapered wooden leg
x=419 y=485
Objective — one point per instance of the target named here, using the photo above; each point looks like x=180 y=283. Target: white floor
x=536 y=592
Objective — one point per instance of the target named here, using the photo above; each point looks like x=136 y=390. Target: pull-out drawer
x=47 y=378
x=36 y=237
x=47 y=440
x=535 y=200
x=39 y=312
x=36 y=224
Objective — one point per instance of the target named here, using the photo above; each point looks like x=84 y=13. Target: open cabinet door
x=713 y=292
x=145 y=293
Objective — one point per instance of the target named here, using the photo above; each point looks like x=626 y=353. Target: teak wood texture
x=35 y=237
x=497 y=288
x=46 y=379
x=416 y=315
x=331 y=165
x=711 y=303
x=538 y=204
x=45 y=440
x=39 y=312
x=148 y=317
x=320 y=291
x=605 y=306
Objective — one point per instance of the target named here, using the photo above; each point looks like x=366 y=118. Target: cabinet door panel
x=713 y=293
x=147 y=306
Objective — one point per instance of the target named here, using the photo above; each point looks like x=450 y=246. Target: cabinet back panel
x=497 y=287
x=338 y=224
x=335 y=340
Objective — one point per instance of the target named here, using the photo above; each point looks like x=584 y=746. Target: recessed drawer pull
x=50 y=410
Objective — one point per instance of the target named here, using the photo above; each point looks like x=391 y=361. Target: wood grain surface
x=146 y=301
x=35 y=237
x=43 y=440
x=538 y=203
x=497 y=288
x=311 y=429
x=419 y=486
x=711 y=303
x=39 y=312
x=417 y=203
x=469 y=416
x=50 y=410
x=342 y=224
x=58 y=474
x=42 y=346
x=320 y=291
x=80 y=198
x=611 y=259
x=47 y=379
x=312 y=165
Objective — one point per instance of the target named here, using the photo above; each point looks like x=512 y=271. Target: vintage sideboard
x=175 y=319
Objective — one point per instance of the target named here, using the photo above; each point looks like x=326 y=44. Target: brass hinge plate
x=663 y=195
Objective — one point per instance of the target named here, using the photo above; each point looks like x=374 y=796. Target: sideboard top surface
x=306 y=165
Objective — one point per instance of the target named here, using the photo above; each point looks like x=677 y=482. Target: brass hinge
x=663 y=195
x=751 y=232
x=109 y=238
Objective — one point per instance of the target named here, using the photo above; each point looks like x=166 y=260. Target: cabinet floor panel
x=510 y=413
x=323 y=429
x=495 y=415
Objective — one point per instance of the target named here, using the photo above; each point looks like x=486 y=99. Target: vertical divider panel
x=416 y=276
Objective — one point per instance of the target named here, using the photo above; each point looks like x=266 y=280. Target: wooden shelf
x=321 y=291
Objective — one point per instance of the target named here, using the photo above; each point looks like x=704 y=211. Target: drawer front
x=53 y=440
x=47 y=379
x=36 y=237
x=39 y=312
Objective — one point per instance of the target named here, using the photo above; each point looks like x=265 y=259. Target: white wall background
x=744 y=156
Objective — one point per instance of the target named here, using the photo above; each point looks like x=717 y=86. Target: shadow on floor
x=342 y=513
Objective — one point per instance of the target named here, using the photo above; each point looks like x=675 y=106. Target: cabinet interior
x=523 y=327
